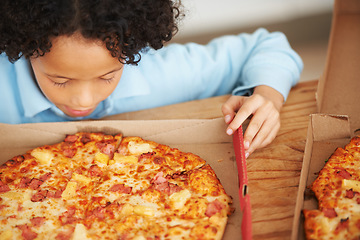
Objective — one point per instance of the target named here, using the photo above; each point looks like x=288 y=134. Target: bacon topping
x=85 y=138
x=99 y=212
x=349 y=194
x=3 y=206
x=344 y=174
x=329 y=212
x=122 y=150
x=106 y=148
x=45 y=177
x=71 y=138
x=121 y=188
x=95 y=171
x=54 y=194
x=39 y=196
x=65 y=235
x=343 y=224
x=68 y=216
x=214 y=207
x=24 y=182
x=27 y=233
x=159 y=160
x=146 y=157
x=4 y=187
x=161 y=184
x=35 y=183
x=37 y=221
x=159 y=179
x=173 y=188
x=69 y=152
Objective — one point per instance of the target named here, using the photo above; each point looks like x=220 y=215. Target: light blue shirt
x=173 y=74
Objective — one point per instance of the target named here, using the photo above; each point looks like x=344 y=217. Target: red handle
x=238 y=142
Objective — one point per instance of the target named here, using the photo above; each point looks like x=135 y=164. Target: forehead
x=75 y=55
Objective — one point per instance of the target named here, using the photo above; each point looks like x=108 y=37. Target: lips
x=78 y=112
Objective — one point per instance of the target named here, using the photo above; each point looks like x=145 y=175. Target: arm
x=261 y=64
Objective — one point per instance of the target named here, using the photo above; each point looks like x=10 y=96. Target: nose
x=84 y=96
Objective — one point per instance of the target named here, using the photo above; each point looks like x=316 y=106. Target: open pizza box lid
x=205 y=138
x=338 y=98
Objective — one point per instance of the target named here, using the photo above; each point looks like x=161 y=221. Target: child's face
x=77 y=74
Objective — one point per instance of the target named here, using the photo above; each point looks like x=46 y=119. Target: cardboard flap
x=329 y=127
x=182 y=130
x=339 y=88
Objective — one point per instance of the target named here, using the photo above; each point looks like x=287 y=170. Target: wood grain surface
x=273 y=171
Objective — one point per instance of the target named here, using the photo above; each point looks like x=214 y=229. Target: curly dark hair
x=125 y=26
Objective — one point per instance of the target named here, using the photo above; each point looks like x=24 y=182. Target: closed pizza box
x=205 y=138
x=338 y=96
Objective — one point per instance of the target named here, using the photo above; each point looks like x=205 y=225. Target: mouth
x=78 y=112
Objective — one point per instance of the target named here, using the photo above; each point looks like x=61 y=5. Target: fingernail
x=227 y=118
x=229 y=131
x=246 y=144
x=247 y=155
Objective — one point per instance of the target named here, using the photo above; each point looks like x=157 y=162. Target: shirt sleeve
x=230 y=64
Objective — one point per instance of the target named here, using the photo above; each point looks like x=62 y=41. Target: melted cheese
x=13 y=195
x=139 y=238
x=178 y=233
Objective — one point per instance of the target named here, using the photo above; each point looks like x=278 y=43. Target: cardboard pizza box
x=338 y=96
x=205 y=138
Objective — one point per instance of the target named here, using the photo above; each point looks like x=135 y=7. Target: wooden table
x=273 y=171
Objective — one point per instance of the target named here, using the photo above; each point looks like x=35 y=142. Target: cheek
x=47 y=88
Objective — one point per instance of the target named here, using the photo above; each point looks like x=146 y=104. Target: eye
x=107 y=80
x=60 y=84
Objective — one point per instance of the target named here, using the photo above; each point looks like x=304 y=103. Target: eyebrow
x=59 y=76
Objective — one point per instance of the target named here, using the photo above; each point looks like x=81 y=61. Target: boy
x=75 y=60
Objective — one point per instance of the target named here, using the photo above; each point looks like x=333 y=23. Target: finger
x=262 y=139
x=257 y=122
x=247 y=109
x=270 y=138
x=232 y=105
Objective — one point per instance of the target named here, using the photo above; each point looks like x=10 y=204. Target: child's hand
x=264 y=105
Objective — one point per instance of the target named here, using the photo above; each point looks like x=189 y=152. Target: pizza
x=99 y=186
x=337 y=189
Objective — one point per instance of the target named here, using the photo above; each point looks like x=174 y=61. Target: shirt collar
x=132 y=83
